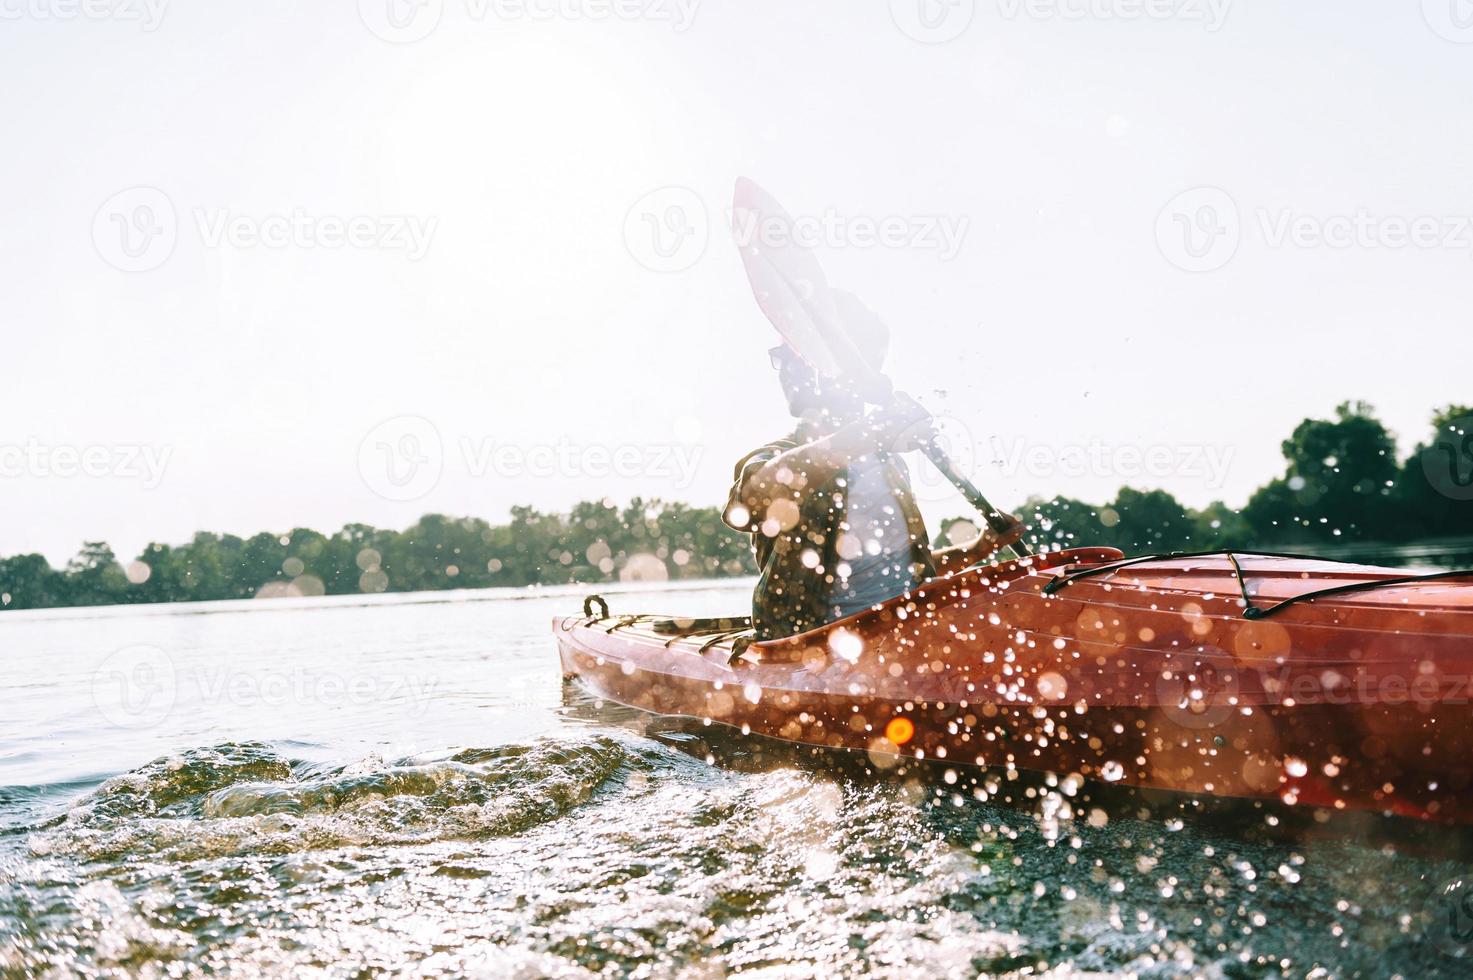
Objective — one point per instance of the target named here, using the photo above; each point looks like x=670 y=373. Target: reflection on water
x=500 y=823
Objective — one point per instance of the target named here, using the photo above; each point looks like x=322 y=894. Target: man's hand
x=979 y=549
x=903 y=426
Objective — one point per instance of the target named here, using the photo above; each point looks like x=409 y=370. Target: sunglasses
x=781 y=356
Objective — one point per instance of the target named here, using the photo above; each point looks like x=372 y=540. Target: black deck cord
x=1251 y=611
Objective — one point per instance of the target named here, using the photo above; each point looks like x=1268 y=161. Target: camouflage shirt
x=796 y=540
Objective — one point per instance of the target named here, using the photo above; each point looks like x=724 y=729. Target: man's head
x=810 y=395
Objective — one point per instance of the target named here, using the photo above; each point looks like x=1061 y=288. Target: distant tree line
x=1344 y=483
x=595 y=542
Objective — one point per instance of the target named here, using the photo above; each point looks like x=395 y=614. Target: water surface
x=403 y=784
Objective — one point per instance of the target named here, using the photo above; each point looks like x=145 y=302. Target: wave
x=246 y=798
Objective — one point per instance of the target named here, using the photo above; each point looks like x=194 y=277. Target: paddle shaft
x=991 y=514
x=880 y=389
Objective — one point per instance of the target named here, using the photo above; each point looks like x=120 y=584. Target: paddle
x=793 y=292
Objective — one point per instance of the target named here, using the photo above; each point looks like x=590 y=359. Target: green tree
x=1434 y=490
x=1150 y=521
x=94 y=577
x=29 y=582
x=1064 y=522
x=1337 y=485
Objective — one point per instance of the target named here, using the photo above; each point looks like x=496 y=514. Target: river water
x=403 y=784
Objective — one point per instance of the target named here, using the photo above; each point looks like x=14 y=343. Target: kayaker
x=834 y=524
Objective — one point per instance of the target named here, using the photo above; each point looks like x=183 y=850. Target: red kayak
x=1320 y=684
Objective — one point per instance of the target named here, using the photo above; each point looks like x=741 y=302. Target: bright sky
x=348 y=252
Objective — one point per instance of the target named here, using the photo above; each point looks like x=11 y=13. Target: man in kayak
x=834 y=524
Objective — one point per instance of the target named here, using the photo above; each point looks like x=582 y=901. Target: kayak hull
x=1149 y=677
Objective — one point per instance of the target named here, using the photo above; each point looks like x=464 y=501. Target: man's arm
x=808 y=465
x=788 y=474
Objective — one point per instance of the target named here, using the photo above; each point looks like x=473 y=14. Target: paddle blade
x=860 y=329
x=786 y=277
